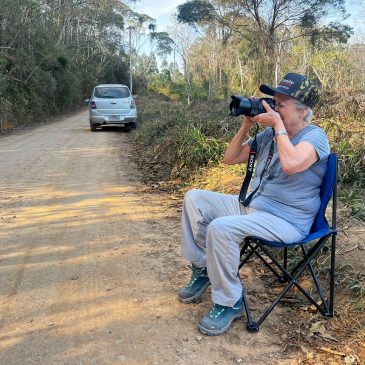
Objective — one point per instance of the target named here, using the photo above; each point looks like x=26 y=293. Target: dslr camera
x=248 y=106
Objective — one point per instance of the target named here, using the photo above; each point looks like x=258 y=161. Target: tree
x=183 y=39
x=164 y=64
x=266 y=22
x=52 y=52
x=163 y=43
x=146 y=66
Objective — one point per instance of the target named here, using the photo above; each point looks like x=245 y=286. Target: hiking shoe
x=199 y=282
x=219 y=318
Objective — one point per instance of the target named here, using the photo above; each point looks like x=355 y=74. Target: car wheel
x=93 y=127
x=127 y=128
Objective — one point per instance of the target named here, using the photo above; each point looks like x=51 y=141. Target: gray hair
x=301 y=106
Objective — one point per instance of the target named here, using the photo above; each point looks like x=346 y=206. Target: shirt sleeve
x=318 y=139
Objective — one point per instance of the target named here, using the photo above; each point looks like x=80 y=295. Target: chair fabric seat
x=311 y=237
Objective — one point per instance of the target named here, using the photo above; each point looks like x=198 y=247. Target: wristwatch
x=282 y=131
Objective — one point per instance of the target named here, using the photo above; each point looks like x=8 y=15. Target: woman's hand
x=271 y=118
x=248 y=122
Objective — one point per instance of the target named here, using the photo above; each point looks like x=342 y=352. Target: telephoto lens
x=248 y=106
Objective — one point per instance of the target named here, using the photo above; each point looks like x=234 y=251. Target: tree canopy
x=269 y=23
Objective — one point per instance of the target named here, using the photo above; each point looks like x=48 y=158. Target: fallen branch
x=330 y=351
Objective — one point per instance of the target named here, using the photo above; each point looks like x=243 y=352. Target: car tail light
x=133 y=104
x=93 y=105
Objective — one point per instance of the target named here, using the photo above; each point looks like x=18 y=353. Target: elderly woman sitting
x=283 y=203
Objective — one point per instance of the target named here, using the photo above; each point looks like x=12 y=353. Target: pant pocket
x=206 y=217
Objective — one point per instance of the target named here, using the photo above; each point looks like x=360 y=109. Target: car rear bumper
x=112 y=120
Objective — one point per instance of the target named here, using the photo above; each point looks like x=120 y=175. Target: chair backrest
x=328 y=188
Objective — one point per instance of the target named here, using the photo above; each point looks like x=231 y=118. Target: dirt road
x=89 y=260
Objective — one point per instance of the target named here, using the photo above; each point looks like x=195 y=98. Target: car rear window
x=111 y=92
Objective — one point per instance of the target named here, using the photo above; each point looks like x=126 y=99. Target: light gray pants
x=213 y=227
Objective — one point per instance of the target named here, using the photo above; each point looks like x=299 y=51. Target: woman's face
x=286 y=107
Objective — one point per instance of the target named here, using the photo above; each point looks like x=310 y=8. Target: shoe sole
x=197 y=296
x=210 y=332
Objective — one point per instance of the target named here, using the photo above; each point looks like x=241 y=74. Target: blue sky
x=161 y=10
x=356 y=8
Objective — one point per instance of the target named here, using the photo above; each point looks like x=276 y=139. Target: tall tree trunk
x=210 y=88
x=241 y=72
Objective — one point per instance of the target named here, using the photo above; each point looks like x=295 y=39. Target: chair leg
x=292 y=278
x=267 y=264
x=316 y=283
x=248 y=256
x=292 y=281
x=299 y=269
x=332 y=278
x=250 y=325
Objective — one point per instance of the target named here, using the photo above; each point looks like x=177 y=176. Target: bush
x=195 y=150
x=177 y=91
x=342 y=116
x=185 y=138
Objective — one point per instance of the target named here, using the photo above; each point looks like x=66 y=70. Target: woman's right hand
x=248 y=122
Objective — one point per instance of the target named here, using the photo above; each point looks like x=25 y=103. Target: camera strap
x=250 y=168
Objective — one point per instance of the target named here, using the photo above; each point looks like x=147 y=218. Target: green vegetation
x=186 y=138
x=51 y=55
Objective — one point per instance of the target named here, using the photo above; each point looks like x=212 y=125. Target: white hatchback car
x=112 y=104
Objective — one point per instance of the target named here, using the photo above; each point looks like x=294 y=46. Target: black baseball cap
x=298 y=86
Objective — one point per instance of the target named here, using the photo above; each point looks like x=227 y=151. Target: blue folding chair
x=321 y=231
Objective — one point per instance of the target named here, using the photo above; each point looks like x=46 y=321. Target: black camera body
x=248 y=106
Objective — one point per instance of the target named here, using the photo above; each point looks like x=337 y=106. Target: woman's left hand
x=271 y=118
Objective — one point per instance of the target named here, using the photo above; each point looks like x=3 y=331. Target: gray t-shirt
x=294 y=198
